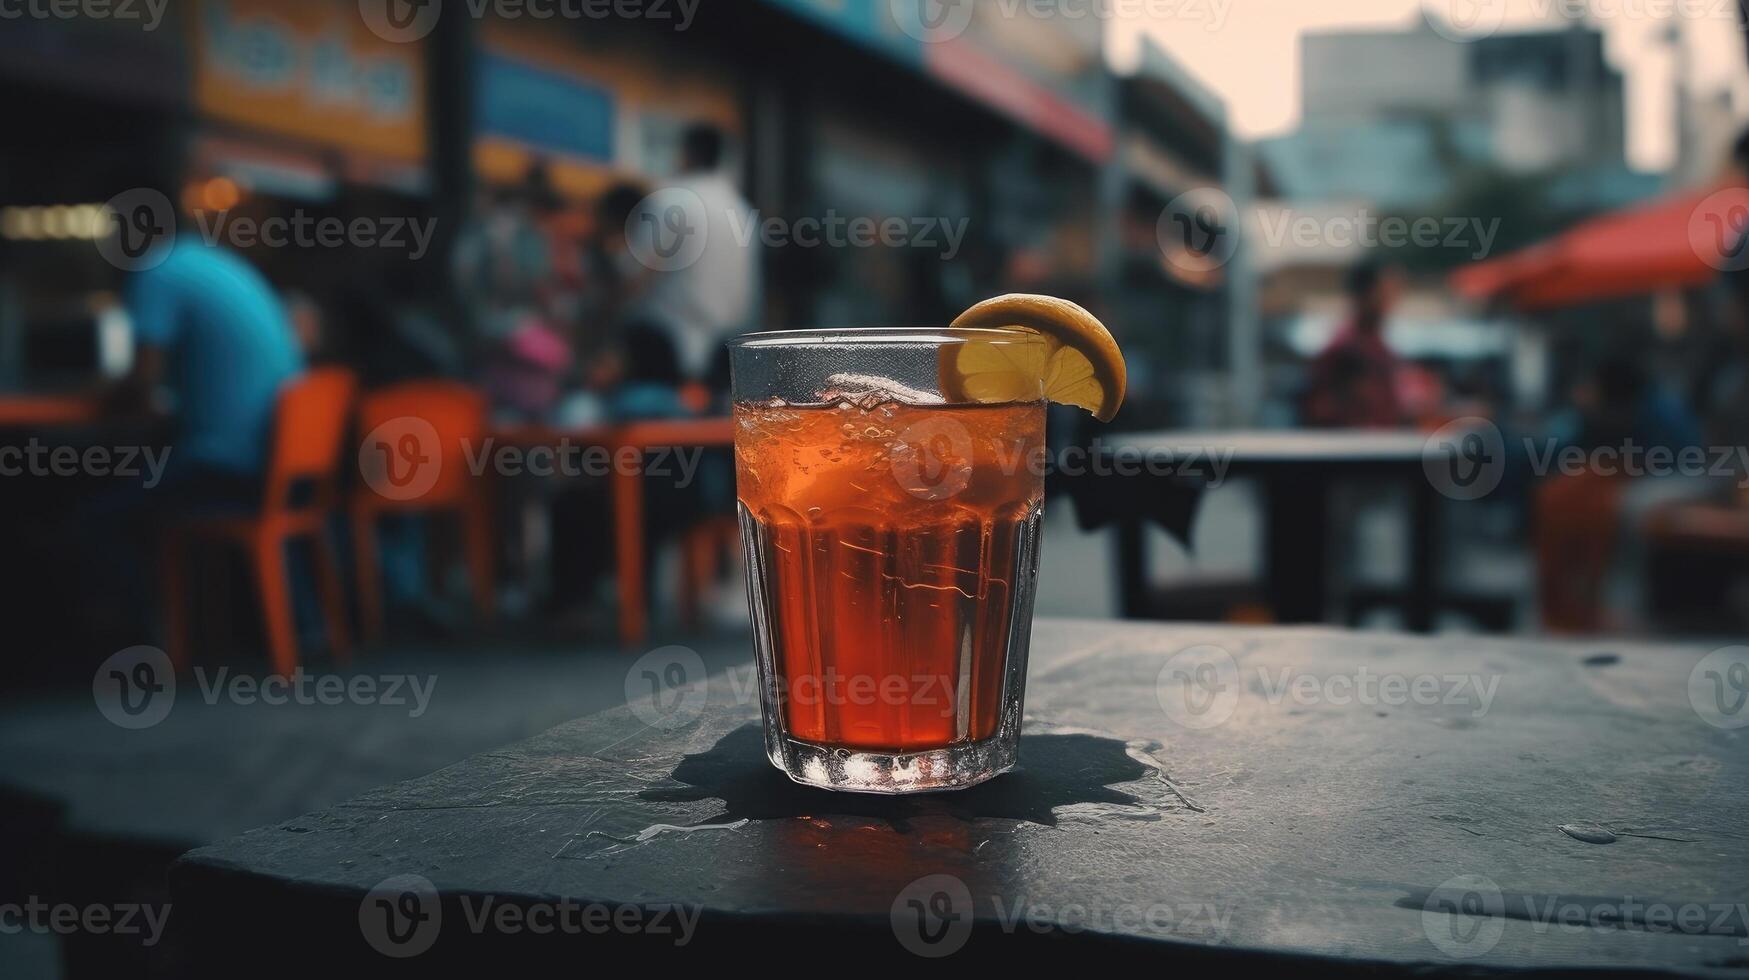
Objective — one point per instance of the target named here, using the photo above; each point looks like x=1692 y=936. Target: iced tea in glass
x=891 y=538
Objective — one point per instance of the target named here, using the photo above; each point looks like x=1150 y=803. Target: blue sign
x=543 y=109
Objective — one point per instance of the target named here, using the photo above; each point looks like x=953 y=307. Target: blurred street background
x=1436 y=317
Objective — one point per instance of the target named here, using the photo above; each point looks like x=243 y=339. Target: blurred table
x=1296 y=470
x=1152 y=822
x=627 y=490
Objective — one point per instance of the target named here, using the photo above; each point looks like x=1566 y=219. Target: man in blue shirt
x=209 y=327
x=206 y=321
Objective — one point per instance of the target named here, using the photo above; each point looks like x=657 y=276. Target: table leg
x=1297 y=545
x=628 y=531
x=1424 y=538
x=1132 y=569
x=537 y=544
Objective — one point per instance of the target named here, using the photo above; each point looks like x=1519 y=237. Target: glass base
x=955 y=767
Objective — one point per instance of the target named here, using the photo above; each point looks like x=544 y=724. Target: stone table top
x=1187 y=795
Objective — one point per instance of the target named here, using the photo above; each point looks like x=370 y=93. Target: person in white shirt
x=700 y=293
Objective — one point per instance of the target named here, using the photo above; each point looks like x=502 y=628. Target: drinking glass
x=891 y=535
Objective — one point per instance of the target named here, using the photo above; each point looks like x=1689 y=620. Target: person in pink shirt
x=1354 y=381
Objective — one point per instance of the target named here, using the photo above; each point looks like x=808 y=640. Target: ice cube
x=868 y=390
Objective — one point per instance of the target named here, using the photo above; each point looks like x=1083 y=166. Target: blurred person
x=386 y=326
x=642 y=382
x=702 y=304
x=385 y=313
x=649 y=388
x=1619 y=404
x=628 y=365
x=211 y=331
x=526 y=371
x=1354 y=381
x=385 y=323
x=1737 y=167
x=505 y=263
x=1722 y=389
x=1722 y=394
x=558 y=294
x=614 y=274
x=502 y=258
x=209 y=328
x=1698 y=566
x=1592 y=522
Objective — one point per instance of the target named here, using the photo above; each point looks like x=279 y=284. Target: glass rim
x=880 y=336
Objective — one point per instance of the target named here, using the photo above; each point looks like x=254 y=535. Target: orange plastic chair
x=627 y=491
x=309 y=429
x=407 y=428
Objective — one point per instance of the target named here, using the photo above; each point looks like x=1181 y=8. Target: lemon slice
x=1076 y=361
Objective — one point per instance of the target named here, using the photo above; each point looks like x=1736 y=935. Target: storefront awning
x=989 y=80
x=987 y=64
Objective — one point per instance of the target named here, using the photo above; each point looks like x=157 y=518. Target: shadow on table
x=1055 y=771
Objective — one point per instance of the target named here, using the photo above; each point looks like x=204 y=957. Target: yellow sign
x=312 y=70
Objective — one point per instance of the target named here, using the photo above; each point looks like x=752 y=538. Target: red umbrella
x=1676 y=242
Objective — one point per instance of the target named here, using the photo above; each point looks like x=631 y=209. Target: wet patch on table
x=1065 y=774
x=1056 y=770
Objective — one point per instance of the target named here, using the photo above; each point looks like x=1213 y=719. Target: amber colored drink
x=892 y=549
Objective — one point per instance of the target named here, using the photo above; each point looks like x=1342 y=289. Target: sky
x=1248 y=50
